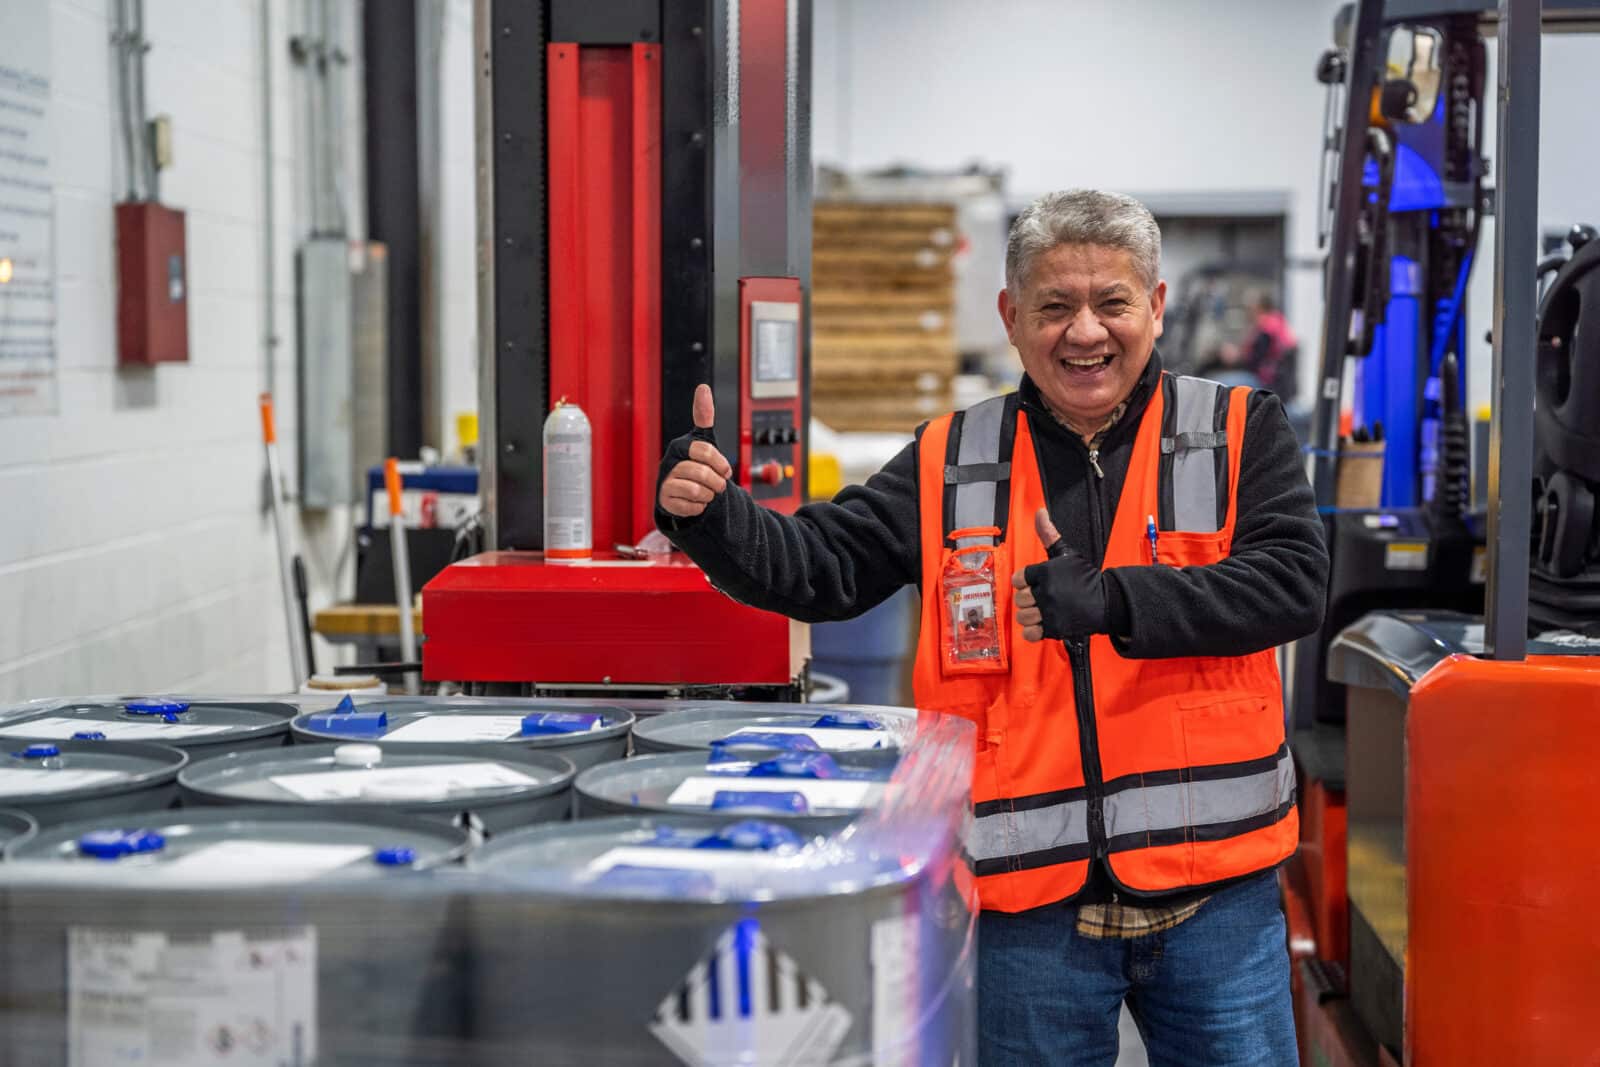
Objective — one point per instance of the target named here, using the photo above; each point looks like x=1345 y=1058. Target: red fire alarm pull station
x=152 y=285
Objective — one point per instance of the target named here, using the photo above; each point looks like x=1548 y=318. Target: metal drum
x=15 y=826
x=585 y=733
x=631 y=941
x=814 y=792
x=59 y=781
x=200 y=727
x=259 y=935
x=795 y=728
x=490 y=791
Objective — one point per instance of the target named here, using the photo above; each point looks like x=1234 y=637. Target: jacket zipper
x=1083 y=690
x=1088 y=745
x=1083 y=681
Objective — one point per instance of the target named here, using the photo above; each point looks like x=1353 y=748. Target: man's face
x=1085 y=327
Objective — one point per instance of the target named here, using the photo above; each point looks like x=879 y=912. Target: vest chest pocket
x=1228 y=727
x=1186 y=548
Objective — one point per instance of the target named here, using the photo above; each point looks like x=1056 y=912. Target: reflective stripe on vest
x=1198 y=786
x=1160 y=808
x=1194 y=455
x=978 y=478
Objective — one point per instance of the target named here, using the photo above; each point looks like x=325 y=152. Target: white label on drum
x=458 y=728
x=896 y=992
x=245 y=998
x=257 y=862
x=21 y=781
x=689 y=859
x=62 y=729
x=820 y=793
x=749 y=1002
x=429 y=779
x=833 y=740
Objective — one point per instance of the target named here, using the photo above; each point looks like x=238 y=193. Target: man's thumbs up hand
x=1065 y=596
x=694 y=482
x=705 y=408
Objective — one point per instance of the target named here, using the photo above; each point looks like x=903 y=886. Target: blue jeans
x=1212 y=991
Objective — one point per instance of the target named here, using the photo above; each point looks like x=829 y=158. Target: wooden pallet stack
x=883 y=297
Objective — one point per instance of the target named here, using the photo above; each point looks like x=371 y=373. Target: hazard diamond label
x=748 y=1003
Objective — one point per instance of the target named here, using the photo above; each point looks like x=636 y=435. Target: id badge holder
x=973 y=630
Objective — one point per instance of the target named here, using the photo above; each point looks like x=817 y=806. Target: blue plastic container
x=871 y=652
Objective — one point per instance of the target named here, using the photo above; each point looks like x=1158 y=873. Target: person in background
x=1108 y=558
x=1268 y=353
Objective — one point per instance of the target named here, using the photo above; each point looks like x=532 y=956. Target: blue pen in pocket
x=1150 y=532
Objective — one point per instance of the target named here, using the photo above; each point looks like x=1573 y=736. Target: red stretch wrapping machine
x=508 y=617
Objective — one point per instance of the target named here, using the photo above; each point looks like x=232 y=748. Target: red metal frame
x=604 y=111
x=1322 y=859
x=646 y=64
x=763 y=106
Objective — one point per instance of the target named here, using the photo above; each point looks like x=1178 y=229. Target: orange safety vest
x=1175 y=771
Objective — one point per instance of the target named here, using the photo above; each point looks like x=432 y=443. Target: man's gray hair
x=1086 y=217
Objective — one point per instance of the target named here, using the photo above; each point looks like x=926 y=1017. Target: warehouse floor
x=1132 y=1053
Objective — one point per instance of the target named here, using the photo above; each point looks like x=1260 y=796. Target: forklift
x=1439 y=904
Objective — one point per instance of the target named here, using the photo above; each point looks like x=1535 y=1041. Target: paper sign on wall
x=27 y=214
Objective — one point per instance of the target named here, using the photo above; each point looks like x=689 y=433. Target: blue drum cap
x=114 y=844
x=43 y=751
x=727 y=748
x=753 y=835
x=545 y=723
x=841 y=721
x=156 y=706
x=395 y=856
x=89 y=735
x=350 y=723
x=788 y=803
x=797 y=765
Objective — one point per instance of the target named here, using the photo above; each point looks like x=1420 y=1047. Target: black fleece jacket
x=837 y=559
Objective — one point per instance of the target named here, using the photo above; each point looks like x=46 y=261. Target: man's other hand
x=694 y=482
x=1062 y=597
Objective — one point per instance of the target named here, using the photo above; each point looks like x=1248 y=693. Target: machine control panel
x=772 y=446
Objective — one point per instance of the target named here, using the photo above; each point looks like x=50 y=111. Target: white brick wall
x=134 y=555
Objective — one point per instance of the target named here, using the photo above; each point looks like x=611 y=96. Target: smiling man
x=1107 y=559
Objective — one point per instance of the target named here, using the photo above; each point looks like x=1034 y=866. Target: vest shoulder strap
x=977 y=469
x=1193 y=475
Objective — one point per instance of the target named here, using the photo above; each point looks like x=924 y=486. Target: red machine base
x=512 y=617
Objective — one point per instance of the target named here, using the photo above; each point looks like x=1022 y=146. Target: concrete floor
x=1132 y=1052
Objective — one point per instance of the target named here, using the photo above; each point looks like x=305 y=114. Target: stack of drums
x=201 y=727
x=252 y=935
x=650 y=941
x=15 y=826
x=792 y=727
x=813 y=772
x=403 y=884
x=815 y=792
x=60 y=781
x=487 y=792
x=586 y=734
